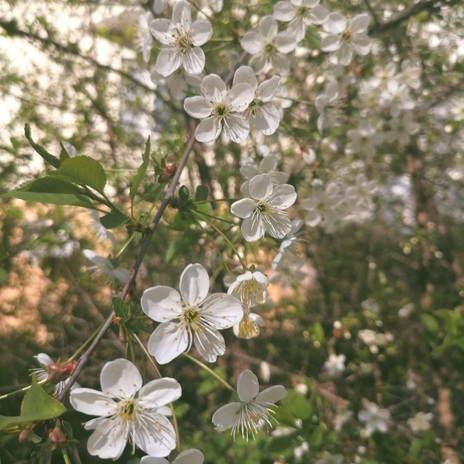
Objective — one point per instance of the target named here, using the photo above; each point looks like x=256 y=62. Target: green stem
x=210 y=371
x=85 y=344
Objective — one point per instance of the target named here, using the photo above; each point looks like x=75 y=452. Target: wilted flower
x=254 y=409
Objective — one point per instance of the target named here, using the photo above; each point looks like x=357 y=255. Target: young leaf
x=141 y=171
x=201 y=193
x=48 y=157
x=113 y=219
x=82 y=170
x=53 y=191
x=37 y=405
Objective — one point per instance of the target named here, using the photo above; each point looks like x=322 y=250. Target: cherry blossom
x=254 y=409
x=191 y=456
x=127 y=411
x=264 y=211
x=181 y=40
x=220 y=109
x=189 y=317
x=375 y=418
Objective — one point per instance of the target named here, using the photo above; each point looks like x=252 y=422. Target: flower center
x=251 y=418
x=346 y=35
x=220 y=110
x=265 y=208
x=128 y=410
x=184 y=41
x=191 y=317
x=269 y=48
x=302 y=11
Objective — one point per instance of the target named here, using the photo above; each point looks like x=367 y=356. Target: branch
x=425 y=5
x=135 y=269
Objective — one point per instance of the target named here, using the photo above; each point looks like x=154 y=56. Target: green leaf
x=48 y=157
x=430 y=323
x=201 y=193
x=141 y=171
x=316 y=436
x=64 y=155
x=113 y=219
x=120 y=307
x=53 y=191
x=37 y=406
x=282 y=444
x=298 y=405
x=313 y=38
x=82 y=170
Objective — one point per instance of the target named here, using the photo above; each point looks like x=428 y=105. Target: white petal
x=318 y=15
x=120 y=379
x=194 y=284
x=359 y=24
x=243 y=208
x=335 y=24
x=208 y=130
x=253 y=228
x=261 y=186
x=247 y=386
x=258 y=62
x=194 y=61
x=161 y=30
x=161 y=303
x=224 y=417
x=280 y=63
x=152 y=460
x=157 y=437
x=211 y=86
x=181 y=14
x=222 y=311
x=267 y=119
x=253 y=43
x=330 y=43
x=201 y=32
x=167 y=342
x=272 y=394
x=268 y=27
x=268 y=89
x=285 y=42
x=284 y=11
x=283 y=196
x=92 y=402
x=236 y=127
x=240 y=96
x=197 y=107
x=43 y=358
x=209 y=343
x=168 y=61
x=159 y=392
x=344 y=54
x=268 y=163
x=121 y=274
x=108 y=440
x=191 y=456
x=277 y=225
x=362 y=44
x=245 y=75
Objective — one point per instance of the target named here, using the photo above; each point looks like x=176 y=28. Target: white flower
x=191 y=456
x=127 y=411
x=265 y=210
x=300 y=13
x=321 y=206
x=268 y=47
x=326 y=105
x=335 y=365
x=261 y=113
x=181 y=41
x=328 y=458
x=364 y=139
x=249 y=326
x=178 y=82
x=250 y=288
x=288 y=270
x=344 y=38
x=145 y=39
x=376 y=418
x=401 y=129
x=254 y=409
x=220 y=108
x=420 y=422
x=291 y=245
x=189 y=317
x=103 y=267
x=268 y=165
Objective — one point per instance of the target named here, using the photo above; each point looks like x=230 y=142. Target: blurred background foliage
x=71 y=70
